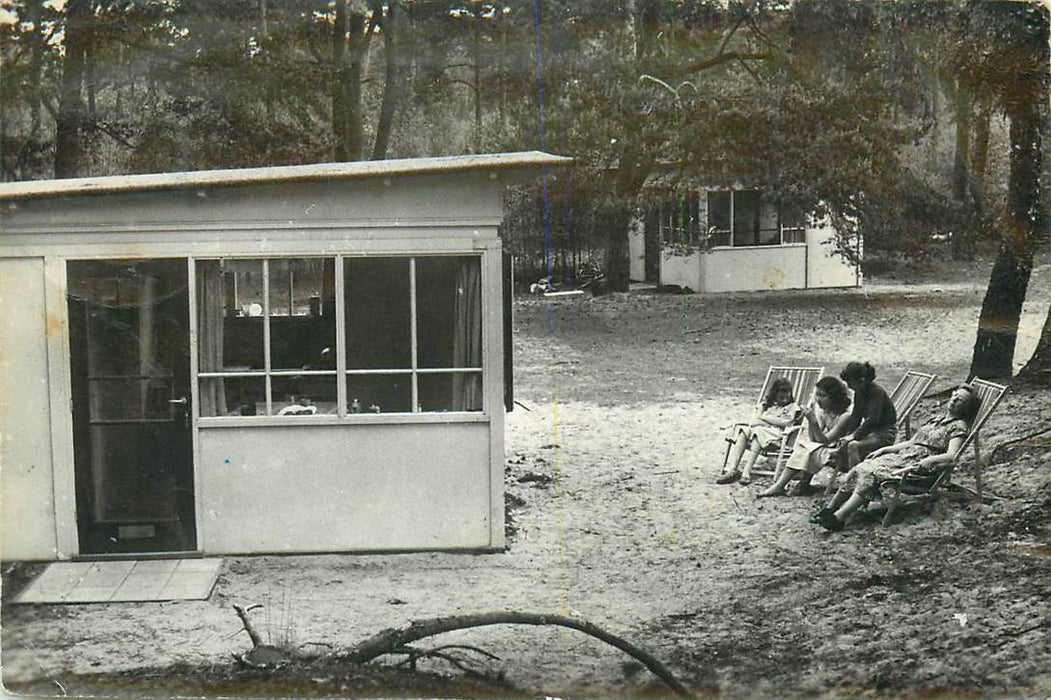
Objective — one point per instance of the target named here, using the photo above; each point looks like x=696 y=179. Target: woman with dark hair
x=873 y=419
x=812 y=452
x=932 y=447
x=779 y=410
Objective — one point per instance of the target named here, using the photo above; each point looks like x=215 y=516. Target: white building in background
x=720 y=240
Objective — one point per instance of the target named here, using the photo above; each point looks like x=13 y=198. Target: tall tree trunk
x=1001 y=310
x=630 y=171
x=961 y=176
x=70 y=120
x=336 y=86
x=476 y=81
x=354 y=137
x=38 y=49
x=980 y=155
x=1038 y=368
x=391 y=84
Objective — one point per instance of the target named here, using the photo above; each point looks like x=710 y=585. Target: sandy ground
x=618 y=521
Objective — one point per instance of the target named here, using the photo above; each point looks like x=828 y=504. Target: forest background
x=910 y=123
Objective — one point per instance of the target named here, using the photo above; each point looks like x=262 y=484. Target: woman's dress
x=931 y=439
x=810 y=454
x=770 y=435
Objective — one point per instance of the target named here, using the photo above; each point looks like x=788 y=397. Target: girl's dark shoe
x=830 y=522
x=728 y=477
x=801 y=489
x=819 y=515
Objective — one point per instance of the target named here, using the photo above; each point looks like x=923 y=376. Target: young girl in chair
x=779 y=410
x=817 y=448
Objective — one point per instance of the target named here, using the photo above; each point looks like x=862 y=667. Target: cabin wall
x=344 y=488
x=682 y=270
x=826 y=267
x=27 y=504
x=754 y=268
x=385 y=482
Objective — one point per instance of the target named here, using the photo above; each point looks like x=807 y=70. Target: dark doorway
x=129 y=354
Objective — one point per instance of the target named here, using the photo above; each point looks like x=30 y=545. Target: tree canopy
x=893 y=118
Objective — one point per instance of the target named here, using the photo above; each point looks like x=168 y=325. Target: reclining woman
x=779 y=410
x=873 y=418
x=934 y=446
x=817 y=449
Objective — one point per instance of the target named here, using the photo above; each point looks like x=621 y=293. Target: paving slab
x=123 y=581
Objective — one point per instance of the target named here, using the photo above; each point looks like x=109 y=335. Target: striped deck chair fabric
x=912 y=387
x=990 y=395
x=804 y=382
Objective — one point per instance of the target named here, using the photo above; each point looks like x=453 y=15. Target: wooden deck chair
x=804 y=382
x=912 y=387
x=990 y=395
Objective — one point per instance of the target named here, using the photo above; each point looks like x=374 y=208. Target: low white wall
x=27 y=512
x=683 y=270
x=753 y=268
x=825 y=267
x=344 y=488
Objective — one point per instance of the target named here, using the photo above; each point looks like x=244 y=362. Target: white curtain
x=467 y=337
x=210 y=331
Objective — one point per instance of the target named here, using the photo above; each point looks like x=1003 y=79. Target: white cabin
x=290 y=359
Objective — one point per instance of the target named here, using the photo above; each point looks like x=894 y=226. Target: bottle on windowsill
x=355 y=406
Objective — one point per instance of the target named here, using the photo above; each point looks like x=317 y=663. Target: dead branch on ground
x=260 y=655
x=1015 y=441
x=242 y=613
x=397 y=639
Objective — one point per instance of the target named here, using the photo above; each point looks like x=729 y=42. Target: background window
x=719 y=217
x=746 y=217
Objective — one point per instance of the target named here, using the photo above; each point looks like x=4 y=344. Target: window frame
x=679 y=221
x=728 y=233
x=342 y=372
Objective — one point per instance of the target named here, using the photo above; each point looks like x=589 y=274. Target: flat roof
x=278 y=174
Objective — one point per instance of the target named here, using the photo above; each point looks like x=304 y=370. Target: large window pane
x=746 y=217
x=376 y=293
x=448 y=312
x=379 y=393
x=302 y=314
x=450 y=391
x=719 y=217
x=232 y=396
x=230 y=314
x=310 y=394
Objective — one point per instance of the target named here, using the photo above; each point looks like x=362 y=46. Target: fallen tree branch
x=413 y=655
x=1007 y=443
x=393 y=639
x=242 y=613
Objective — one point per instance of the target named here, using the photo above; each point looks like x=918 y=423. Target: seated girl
x=779 y=410
x=933 y=447
x=825 y=425
x=873 y=418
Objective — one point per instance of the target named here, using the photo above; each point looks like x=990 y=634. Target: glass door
x=129 y=353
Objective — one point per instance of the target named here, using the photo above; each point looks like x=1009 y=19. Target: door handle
x=181 y=399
